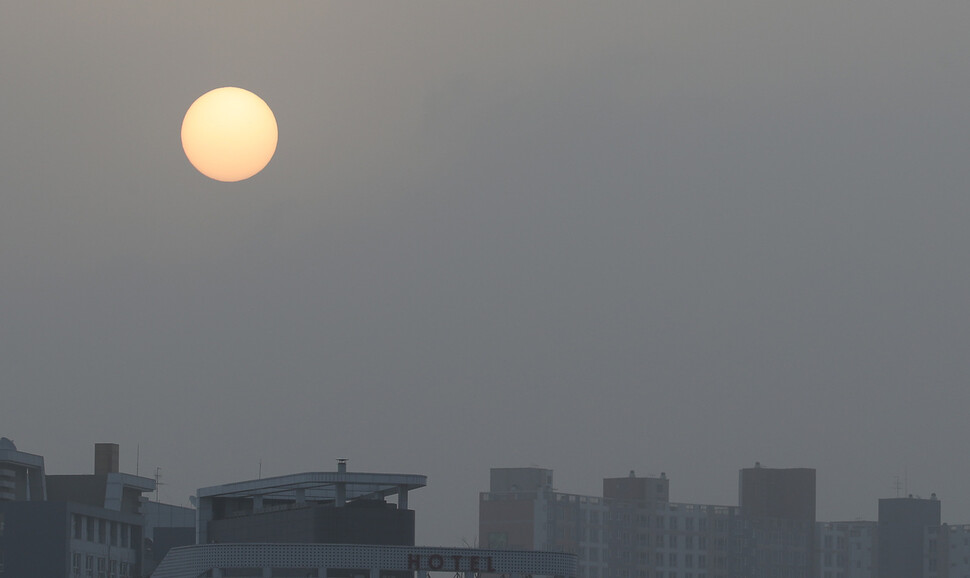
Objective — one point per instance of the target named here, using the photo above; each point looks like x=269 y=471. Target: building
x=69 y=526
x=952 y=550
x=358 y=561
x=631 y=531
x=21 y=475
x=166 y=526
x=778 y=522
x=313 y=507
x=333 y=525
x=846 y=549
x=908 y=537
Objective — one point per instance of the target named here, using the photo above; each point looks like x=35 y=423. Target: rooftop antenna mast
x=158 y=482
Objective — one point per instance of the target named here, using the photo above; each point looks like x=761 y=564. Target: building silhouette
x=908 y=543
x=778 y=522
x=68 y=526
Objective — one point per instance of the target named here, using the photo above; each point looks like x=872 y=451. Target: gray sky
x=673 y=236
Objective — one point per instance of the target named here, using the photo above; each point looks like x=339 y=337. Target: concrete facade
x=847 y=549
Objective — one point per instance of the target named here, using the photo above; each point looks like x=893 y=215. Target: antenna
x=138 y=459
x=896 y=484
x=158 y=477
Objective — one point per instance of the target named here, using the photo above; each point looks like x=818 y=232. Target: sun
x=229 y=134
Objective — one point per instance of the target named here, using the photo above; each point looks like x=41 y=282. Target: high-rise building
x=907 y=537
x=778 y=519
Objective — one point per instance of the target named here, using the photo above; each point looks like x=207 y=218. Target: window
x=659 y=522
x=125 y=529
x=124 y=570
x=673 y=541
x=2 y=563
x=659 y=541
x=702 y=524
x=688 y=561
x=673 y=523
x=688 y=523
x=702 y=542
x=103 y=531
x=89 y=565
x=114 y=533
x=102 y=567
x=701 y=562
x=89 y=535
x=113 y=569
x=78 y=524
x=672 y=560
x=2 y=524
x=689 y=542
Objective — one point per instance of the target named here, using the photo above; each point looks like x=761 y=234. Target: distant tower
x=903 y=523
x=778 y=508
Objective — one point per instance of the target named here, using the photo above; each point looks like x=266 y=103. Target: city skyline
x=596 y=237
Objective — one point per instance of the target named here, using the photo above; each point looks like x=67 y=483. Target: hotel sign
x=450 y=563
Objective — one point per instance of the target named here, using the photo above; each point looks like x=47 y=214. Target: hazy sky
x=673 y=235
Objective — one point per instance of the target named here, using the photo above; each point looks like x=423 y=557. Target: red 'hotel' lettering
x=437 y=562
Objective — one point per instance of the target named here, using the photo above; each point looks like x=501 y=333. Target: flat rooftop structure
x=310 y=507
x=337 y=487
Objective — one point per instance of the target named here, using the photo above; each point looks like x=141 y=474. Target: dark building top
x=787 y=493
x=902 y=524
x=632 y=488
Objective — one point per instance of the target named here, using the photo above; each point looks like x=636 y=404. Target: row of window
x=674 y=522
x=593 y=535
x=105 y=568
x=644 y=521
x=594 y=572
x=101 y=531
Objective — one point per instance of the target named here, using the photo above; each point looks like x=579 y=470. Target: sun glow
x=229 y=134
